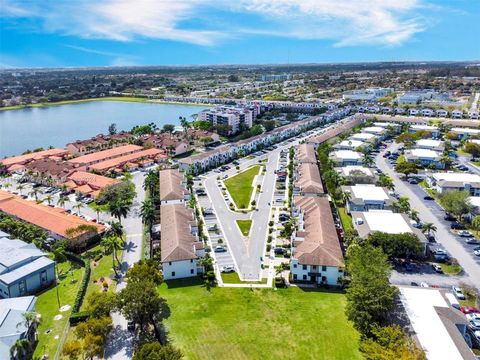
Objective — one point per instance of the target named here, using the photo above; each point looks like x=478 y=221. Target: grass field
x=244 y=226
x=243 y=323
x=233 y=278
x=47 y=306
x=240 y=186
x=345 y=218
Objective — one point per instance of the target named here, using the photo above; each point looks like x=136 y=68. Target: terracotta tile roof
x=308 y=179
x=320 y=245
x=171 y=185
x=306 y=153
x=96 y=182
x=344 y=126
x=177 y=242
x=106 y=154
x=55 y=220
x=22 y=159
x=51 y=167
x=121 y=160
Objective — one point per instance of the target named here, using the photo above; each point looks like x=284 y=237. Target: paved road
x=473 y=107
x=431 y=212
x=120 y=341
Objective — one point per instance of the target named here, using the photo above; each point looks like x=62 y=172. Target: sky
x=75 y=33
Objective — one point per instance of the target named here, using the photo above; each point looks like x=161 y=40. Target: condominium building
x=233 y=116
x=365 y=197
x=444 y=181
x=426 y=158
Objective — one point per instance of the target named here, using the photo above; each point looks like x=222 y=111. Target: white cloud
x=346 y=22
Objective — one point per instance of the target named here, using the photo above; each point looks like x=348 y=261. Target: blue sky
x=48 y=33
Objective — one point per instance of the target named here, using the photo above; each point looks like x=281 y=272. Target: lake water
x=32 y=128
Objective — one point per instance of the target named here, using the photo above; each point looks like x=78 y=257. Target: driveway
x=430 y=211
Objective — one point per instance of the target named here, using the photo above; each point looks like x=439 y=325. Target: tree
x=396 y=245
x=78 y=206
x=119 y=209
x=116 y=229
x=118 y=198
x=404 y=204
x=168 y=128
x=157 y=351
x=476 y=223
x=147 y=212
x=20 y=349
x=390 y=343
x=370 y=296
x=386 y=182
x=347 y=196
x=456 y=202
x=112 y=129
x=101 y=304
x=111 y=245
x=62 y=201
x=72 y=349
x=144 y=271
x=48 y=199
x=414 y=215
x=406 y=167
x=33 y=193
x=429 y=228
x=472 y=148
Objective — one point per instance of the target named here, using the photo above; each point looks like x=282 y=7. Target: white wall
x=331 y=273
x=182 y=269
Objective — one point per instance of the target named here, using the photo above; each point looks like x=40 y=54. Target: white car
x=424 y=284
x=227 y=269
x=473 y=316
x=477 y=252
x=458 y=293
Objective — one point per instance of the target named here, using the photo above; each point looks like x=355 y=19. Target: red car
x=469 y=309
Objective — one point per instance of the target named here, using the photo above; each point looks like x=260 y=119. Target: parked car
x=476 y=252
x=457 y=226
x=424 y=284
x=131 y=325
x=458 y=293
x=412 y=181
x=227 y=269
x=220 y=248
x=212 y=227
x=437 y=268
x=472 y=241
x=428 y=197
x=474 y=324
x=469 y=310
x=449 y=217
x=465 y=233
x=279 y=251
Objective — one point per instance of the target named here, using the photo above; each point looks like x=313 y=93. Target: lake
x=32 y=128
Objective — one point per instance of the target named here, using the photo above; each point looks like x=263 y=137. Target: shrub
x=269 y=247
x=82 y=289
x=270 y=223
x=78 y=317
x=220 y=241
x=269 y=239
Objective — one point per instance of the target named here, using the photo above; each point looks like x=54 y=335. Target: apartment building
x=307 y=181
x=172 y=187
x=426 y=158
x=234 y=116
x=443 y=181
x=99 y=156
x=346 y=157
x=430 y=144
x=17 y=163
x=98 y=143
x=366 y=197
x=355 y=174
x=432 y=129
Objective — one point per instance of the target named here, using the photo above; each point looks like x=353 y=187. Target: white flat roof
x=347 y=154
x=462 y=177
x=384 y=125
x=363 y=136
x=352 y=143
x=465 y=130
x=425 y=153
x=429 y=143
x=369 y=192
x=387 y=221
x=433 y=336
x=349 y=168
x=475 y=200
x=423 y=127
x=374 y=129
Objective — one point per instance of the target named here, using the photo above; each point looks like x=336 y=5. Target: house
x=99 y=143
x=444 y=181
x=427 y=112
x=172 y=190
x=88 y=184
x=99 y=156
x=413 y=112
x=24 y=269
x=473 y=114
x=365 y=197
x=365 y=137
x=202 y=137
x=350 y=145
x=306 y=154
x=464 y=133
x=55 y=221
x=317 y=257
x=375 y=130
x=384 y=221
x=307 y=180
x=168 y=142
x=130 y=162
x=18 y=162
x=432 y=129
x=389 y=125
x=457 y=114
x=441 y=330
x=346 y=157
x=426 y=158
x=13 y=326
x=400 y=111
x=442 y=113
x=355 y=174
x=430 y=144
x=48 y=171
x=181 y=248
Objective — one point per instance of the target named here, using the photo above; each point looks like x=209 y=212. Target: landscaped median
x=240 y=187
x=244 y=226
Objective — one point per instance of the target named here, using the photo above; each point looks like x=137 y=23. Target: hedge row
x=82 y=289
x=76 y=316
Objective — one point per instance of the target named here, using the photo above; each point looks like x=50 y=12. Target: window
x=21 y=287
x=324 y=268
x=294 y=276
x=304 y=267
x=304 y=277
x=43 y=277
x=191 y=271
x=191 y=260
x=173 y=273
x=170 y=263
x=314 y=267
x=294 y=266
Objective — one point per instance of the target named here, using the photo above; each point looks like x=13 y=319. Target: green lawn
x=233 y=278
x=244 y=323
x=345 y=218
x=240 y=186
x=244 y=226
x=47 y=306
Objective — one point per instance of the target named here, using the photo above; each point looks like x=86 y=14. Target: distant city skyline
x=200 y=32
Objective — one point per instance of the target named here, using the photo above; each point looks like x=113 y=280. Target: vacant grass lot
x=47 y=306
x=244 y=226
x=240 y=186
x=243 y=323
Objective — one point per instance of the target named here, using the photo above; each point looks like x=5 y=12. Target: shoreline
x=106 y=98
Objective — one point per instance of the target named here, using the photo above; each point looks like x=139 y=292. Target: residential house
x=351 y=145
x=427 y=112
x=445 y=181
x=346 y=157
x=442 y=113
x=99 y=156
x=413 y=112
x=430 y=144
x=307 y=180
x=425 y=157
x=317 y=257
x=473 y=114
x=365 y=137
x=355 y=174
x=375 y=130
x=464 y=133
x=172 y=187
x=306 y=153
x=49 y=171
x=13 y=326
x=168 y=142
x=432 y=129
x=365 y=197
x=17 y=163
x=88 y=184
x=130 y=162
x=24 y=269
x=457 y=114
x=99 y=143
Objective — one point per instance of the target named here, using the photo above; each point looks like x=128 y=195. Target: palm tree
x=48 y=199
x=120 y=209
x=35 y=193
x=476 y=223
x=404 y=204
x=20 y=349
x=78 y=206
x=367 y=160
x=116 y=229
x=7 y=185
x=414 y=215
x=148 y=214
x=20 y=187
x=112 y=244
x=61 y=201
x=395 y=206
x=347 y=196
x=29 y=318
x=429 y=228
